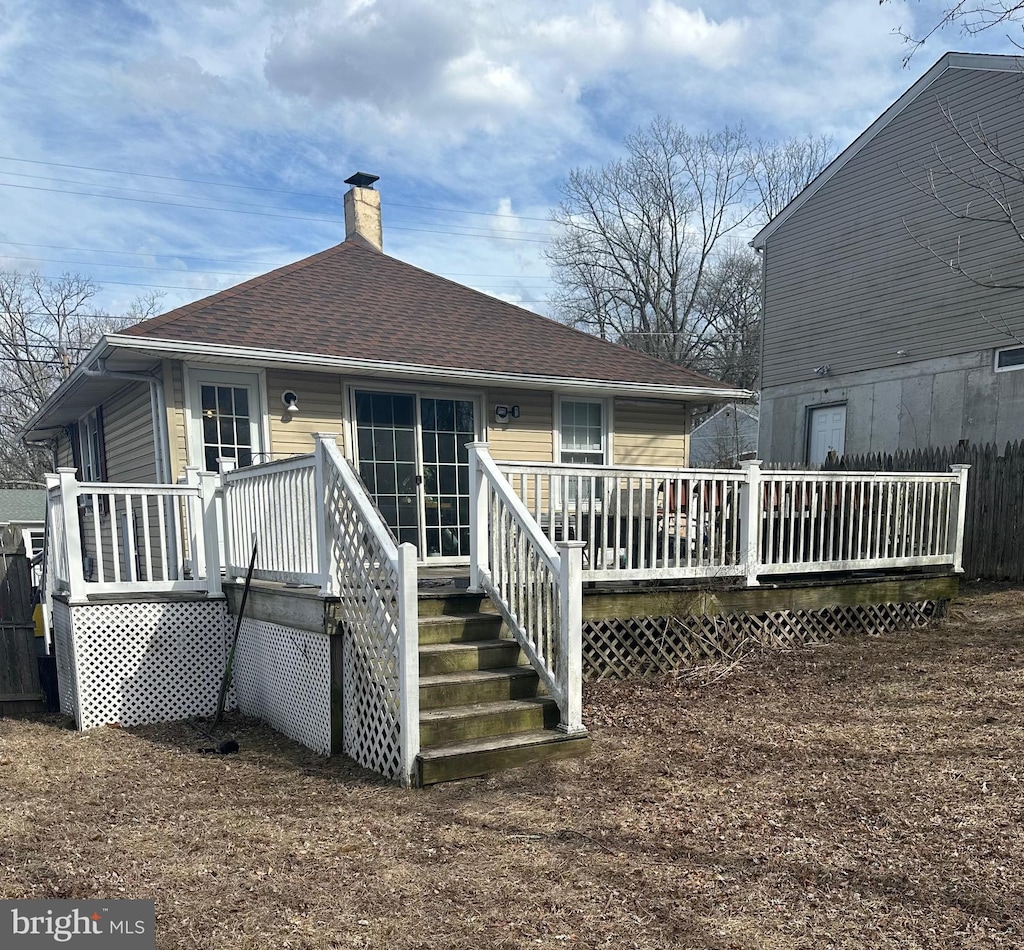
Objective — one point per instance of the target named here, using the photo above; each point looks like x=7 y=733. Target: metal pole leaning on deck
x=408 y=661
x=479 y=561
x=750 y=527
x=961 y=516
x=570 y=634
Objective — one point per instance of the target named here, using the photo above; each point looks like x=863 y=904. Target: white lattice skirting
x=135 y=663
x=283 y=676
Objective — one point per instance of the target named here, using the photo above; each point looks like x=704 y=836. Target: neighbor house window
x=1008 y=358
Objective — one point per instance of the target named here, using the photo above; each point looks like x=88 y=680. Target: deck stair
x=482 y=706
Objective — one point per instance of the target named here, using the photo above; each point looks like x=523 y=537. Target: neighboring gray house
x=892 y=314
x=724 y=437
x=23 y=511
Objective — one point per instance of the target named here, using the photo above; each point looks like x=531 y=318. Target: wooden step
x=473 y=757
x=446 y=604
x=475 y=655
x=476 y=720
x=459 y=629
x=478 y=686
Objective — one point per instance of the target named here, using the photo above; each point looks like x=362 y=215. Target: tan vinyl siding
x=846 y=283
x=650 y=433
x=128 y=435
x=528 y=438
x=174 y=394
x=320 y=410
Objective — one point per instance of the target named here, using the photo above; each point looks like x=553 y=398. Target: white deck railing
x=280 y=505
x=375 y=582
x=536 y=587
x=643 y=523
x=117 y=538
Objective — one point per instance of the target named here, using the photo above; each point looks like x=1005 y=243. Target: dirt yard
x=863 y=794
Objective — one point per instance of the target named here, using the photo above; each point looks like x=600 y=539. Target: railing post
x=209 y=484
x=570 y=595
x=961 y=516
x=328 y=576
x=72 y=532
x=750 y=526
x=479 y=560
x=408 y=661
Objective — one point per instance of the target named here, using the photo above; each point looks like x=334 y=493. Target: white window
x=583 y=439
x=1009 y=358
x=90 y=445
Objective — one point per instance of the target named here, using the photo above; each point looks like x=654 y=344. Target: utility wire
x=277 y=191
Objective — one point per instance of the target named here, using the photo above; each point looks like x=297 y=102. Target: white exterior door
x=826 y=433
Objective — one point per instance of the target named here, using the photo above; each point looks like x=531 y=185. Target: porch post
x=479 y=562
x=961 y=516
x=72 y=532
x=408 y=661
x=209 y=484
x=570 y=595
x=750 y=523
x=328 y=583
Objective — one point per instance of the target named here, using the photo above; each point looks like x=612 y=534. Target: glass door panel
x=386 y=441
x=447 y=427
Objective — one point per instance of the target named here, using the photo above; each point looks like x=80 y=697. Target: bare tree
x=649 y=252
x=46 y=327
x=970 y=17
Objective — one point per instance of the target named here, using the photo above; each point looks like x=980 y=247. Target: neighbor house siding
x=647 y=432
x=847 y=285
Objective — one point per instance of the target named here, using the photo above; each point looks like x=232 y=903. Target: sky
x=181 y=147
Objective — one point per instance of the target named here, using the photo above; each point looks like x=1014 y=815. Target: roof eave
x=283 y=358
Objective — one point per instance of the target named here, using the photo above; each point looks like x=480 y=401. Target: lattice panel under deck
x=148 y=662
x=66 y=681
x=644 y=646
x=369 y=617
x=283 y=676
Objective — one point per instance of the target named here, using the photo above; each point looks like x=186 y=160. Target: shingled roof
x=353 y=301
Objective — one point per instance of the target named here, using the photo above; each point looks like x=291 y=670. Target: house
x=344 y=430
x=24 y=511
x=405 y=366
x=724 y=437
x=891 y=313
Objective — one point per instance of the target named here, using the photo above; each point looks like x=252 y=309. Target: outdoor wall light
x=290 y=400
x=822 y=370
x=504 y=413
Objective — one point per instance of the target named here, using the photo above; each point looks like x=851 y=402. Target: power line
x=271 y=214
x=276 y=191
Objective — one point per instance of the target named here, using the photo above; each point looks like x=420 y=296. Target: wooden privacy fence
x=994 y=524
x=19 y=671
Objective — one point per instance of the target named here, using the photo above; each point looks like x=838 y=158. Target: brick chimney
x=362 y=210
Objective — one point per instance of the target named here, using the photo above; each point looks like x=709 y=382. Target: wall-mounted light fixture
x=290 y=400
x=903 y=352
x=504 y=413
x=822 y=370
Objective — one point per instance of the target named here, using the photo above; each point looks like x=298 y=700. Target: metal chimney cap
x=362 y=180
